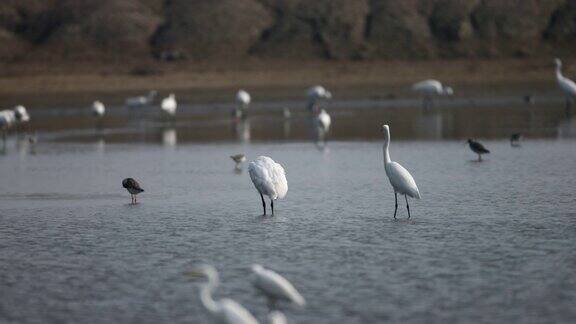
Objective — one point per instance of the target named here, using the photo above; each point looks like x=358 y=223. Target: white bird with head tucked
x=275 y=287
x=269 y=178
x=226 y=311
x=429 y=88
x=98 y=109
x=567 y=86
x=169 y=105
x=400 y=179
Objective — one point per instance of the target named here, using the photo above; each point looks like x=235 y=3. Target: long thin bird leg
x=395 y=203
x=407 y=206
x=263 y=204
x=272 y=206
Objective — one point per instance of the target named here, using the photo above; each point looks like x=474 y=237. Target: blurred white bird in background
x=269 y=178
x=7 y=119
x=400 y=179
x=430 y=88
x=98 y=109
x=141 y=101
x=275 y=287
x=225 y=310
x=243 y=100
x=169 y=105
x=567 y=86
x=322 y=122
x=315 y=94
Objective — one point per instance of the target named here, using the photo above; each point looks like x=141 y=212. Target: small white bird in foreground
x=98 y=109
x=567 y=86
x=169 y=105
x=322 y=122
x=226 y=311
x=315 y=94
x=275 y=287
x=429 y=88
x=400 y=179
x=269 y=178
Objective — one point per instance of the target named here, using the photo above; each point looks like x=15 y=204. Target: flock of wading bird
x=269 y=179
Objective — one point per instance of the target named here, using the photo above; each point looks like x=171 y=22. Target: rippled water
x=489 y=242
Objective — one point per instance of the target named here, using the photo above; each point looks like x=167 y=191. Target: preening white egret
x=430 y=88
x=98 y=109
x=276 y=287
x=269 y=178
x=567 y=86
x=133 y=188
x=477 y=148
x=243 y=100
x=226 y=310
x=400 y=179
x=169 y=105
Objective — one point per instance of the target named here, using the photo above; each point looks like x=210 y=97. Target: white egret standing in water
x=269 y=178
x=169 y=105
x=276 y=287
x=315 y=94
x=243 y=99
x=430 y=88
x=225 y=310
x=400 y=179
x=567 y=86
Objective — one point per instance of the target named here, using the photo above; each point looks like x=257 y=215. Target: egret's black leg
x=395 y=204
x=263 y=204
x=407 y=206
x=272 y=206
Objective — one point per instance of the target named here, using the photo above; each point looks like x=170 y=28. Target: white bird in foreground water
x=315 y=94
x=276 y=287
x=400 y=179
x=169 y=105
x=226 y=310
x=566 y=85
x=98 y=109
x=430 y=88
x=269 y=178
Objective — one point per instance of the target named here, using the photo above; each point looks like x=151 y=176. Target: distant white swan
x=276 y=287
x=226 y=311
x=315 y=94
x=98 y=109
x=141 y=101
x=269 y=178
x=400 y=179
x=567 y=86
x=169 y=105
x=430 y=88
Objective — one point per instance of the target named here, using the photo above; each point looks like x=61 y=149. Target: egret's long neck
x=559 y=75
x=385 y=148
x=206 y=294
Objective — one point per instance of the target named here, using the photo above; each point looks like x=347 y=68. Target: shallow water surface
x=488 y=242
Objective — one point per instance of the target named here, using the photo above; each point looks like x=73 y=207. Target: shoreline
x=276 y=80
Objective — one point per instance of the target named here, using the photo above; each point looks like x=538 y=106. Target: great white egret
x=243 y=99
x=322 y=122
x=269 y=178
x=477 y=148
x=133 y=188
x=169 y=105
x=238 y=159
x=98 y=109
x=400 y=179
x=141 y=101
x=429 y=88
x=275 y=287
x=315 y=94
x=567 y=86
x=225 y=310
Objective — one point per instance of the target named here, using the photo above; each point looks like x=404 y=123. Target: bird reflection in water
x=169 y=137
x=241 y=128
